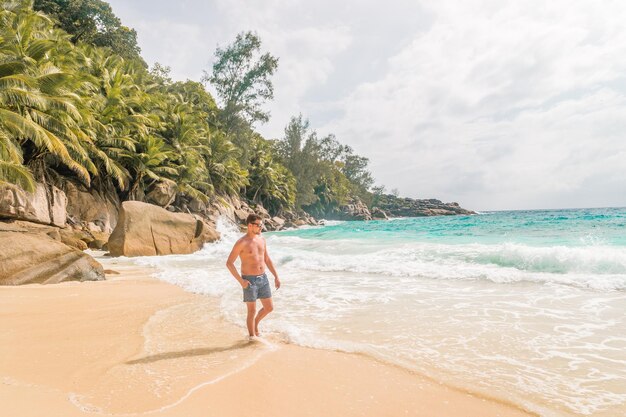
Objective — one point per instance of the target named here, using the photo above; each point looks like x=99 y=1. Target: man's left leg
x=268 y=306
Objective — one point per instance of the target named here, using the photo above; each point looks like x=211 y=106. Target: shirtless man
x=252 y=250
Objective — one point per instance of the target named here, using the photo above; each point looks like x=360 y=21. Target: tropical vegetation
x=77 y=101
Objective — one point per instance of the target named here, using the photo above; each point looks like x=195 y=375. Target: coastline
x=134 y=345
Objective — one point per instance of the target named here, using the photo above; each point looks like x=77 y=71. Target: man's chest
x=252 y=250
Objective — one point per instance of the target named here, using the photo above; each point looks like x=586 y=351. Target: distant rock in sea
x=387 y=205
x=409 y=207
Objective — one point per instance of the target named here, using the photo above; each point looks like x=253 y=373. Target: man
x=252 y=250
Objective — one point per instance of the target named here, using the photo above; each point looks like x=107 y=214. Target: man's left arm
x=270 y=265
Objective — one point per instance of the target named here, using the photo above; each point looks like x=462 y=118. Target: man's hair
x=252 y=218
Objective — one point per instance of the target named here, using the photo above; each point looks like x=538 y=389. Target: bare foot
x=256 y=330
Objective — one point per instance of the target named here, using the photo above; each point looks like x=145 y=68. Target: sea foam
x=598 y=267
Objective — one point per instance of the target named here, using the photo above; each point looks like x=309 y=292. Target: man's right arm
x=230 y=264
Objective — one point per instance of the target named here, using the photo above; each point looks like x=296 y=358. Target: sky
x=494 y=104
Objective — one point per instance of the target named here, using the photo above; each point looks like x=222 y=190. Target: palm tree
x=224 y=171
x=270 y=182
x=36 y=110
x=148 y=162
x=12 y=169
x=116 y=118
x=186 y=130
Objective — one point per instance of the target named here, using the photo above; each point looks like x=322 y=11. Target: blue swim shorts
x=259 y=288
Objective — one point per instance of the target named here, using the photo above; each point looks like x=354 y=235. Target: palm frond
x=11 y=68
x=18 y=174
x=38 y=48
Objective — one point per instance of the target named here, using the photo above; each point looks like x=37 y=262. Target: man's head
x=255 y=225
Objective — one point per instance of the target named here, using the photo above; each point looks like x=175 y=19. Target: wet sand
x=134 y=345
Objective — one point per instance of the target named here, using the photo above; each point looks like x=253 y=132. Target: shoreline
x=135 y=345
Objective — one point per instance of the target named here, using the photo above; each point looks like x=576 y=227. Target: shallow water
x=527 y=306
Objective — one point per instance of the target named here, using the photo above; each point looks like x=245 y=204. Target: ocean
x=525 y=306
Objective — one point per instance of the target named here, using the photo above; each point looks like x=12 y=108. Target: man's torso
x=252 y=256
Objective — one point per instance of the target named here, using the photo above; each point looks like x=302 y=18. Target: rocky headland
x=386 y=206
x=408 y=207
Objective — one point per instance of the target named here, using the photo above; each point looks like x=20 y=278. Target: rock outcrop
x=237 y=211
x=354 y=210
x=224 y=206
x=37 y=255
x=277 y=223
x=93 y=210
x=408 y=207
x=147 y=230
x=379 y=214
x=47 y=205
x=288 y=219
x=162 y=193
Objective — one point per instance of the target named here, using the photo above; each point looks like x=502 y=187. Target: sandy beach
x=134 y=345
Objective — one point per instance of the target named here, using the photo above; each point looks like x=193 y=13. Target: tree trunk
x=132 y=193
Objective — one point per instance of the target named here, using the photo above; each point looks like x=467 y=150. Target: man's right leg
x=250 y=319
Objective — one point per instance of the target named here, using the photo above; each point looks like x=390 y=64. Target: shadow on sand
x=189 y=353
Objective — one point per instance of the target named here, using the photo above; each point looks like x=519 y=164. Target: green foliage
x=299 y=151
x=225 y=174
x=355 y=169
x=72 y=107
x=327 y=173
x=92 y=22
x=332 y=190
x=377 y=192
x=11 y=168
x=271 y=184
x=241 y=75
x=37 y=107
x=353 y=166
x=80 y=109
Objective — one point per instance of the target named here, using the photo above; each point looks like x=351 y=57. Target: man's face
x=255 y=227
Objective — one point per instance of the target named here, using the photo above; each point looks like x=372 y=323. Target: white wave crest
x=597 y=267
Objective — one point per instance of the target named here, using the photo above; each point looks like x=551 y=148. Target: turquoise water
x=573 y=241
x=571 y=227
x=527 y=306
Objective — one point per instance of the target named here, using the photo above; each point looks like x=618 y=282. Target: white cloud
x=496 y=104
x=163 y=42
x=306 y=61
x=499 y=106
